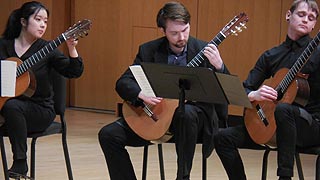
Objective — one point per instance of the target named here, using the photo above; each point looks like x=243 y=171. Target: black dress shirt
x=284 y=56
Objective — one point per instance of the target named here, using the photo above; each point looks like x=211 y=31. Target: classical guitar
x=292 y=86
x=152 y=122
x=25 y=81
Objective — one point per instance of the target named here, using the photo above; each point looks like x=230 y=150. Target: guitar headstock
x=78 y=30
x=235 y=25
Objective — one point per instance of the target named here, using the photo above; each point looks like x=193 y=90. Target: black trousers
x=23 y=117
x=295 y=127
x=114 y=137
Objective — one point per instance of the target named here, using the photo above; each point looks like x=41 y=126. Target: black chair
x=309 y=150
x=59 y=87
x=312 y=151
x=160 y=155
x=222 y=124
x=161 y=163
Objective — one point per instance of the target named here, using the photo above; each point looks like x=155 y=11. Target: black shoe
x=19 y=168
x=18 y=176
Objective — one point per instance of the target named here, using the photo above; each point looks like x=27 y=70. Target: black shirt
x=68 y=67
x=284 y=56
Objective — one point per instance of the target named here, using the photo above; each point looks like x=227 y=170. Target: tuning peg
x=243 y=25
x=234 y=32
x=238 y=28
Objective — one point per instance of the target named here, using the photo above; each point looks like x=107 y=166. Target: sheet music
x=8 y=78
x=142 y=80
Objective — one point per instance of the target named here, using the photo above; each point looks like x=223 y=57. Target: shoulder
x=4 y=42
x=6 y=46
x=275 y=51
x=154 y=46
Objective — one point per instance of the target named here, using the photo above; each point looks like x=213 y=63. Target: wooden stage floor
x=88 y=162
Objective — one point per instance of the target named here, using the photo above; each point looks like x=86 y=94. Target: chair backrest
x=59 y=89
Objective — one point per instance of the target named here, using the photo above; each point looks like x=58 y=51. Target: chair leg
x=66 y=155
x=4 y=160
x=204 y=168
x=265 y=164
x=33 y=158
x=299 y=167
x=161 y=164
x=318 y=168
x=145 y=161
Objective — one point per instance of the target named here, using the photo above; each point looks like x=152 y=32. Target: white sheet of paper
x=142 y=80
x=8 y=78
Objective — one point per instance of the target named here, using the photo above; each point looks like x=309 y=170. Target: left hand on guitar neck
x=71 y=44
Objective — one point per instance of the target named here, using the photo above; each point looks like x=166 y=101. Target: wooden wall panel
x=119 y=26
x=135 y=23
x=262 y=30
x=100 y=53
x=241 y=52
x=5 y=10
x=139 y=35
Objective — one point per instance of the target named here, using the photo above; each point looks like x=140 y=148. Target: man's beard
x=180 y=44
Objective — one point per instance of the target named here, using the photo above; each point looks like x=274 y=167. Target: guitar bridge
x=262 y=115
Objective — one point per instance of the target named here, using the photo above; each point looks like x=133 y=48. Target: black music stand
x=193 y=84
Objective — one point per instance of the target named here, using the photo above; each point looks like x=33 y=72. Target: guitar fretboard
x=303 y=58
x=199 y=58
x=43 y=52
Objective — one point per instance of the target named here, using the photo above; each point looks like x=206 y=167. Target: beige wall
x=119 y=26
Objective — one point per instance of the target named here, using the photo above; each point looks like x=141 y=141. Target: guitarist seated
x=21 y=39
x=296 y=125
x=201 y=119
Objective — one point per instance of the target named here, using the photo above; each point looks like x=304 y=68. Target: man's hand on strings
x=149 y=100
x=264 y=93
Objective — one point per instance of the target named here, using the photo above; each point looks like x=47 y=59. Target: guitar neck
x=298 y=65
x=199 y=58
x=43 y=52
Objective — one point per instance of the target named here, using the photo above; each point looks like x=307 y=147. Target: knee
x=282 y=108
x=283 y=112
x=105 y=135
x=190 y=116
x=221 y=139
x=10 y=106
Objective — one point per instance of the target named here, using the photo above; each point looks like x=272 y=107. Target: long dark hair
x=14 y=25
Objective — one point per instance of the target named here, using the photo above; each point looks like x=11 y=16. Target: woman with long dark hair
x=21 y=39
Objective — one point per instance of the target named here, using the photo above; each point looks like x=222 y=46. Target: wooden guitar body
x=22 y=84
x=145 y=126
x=264 y=132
